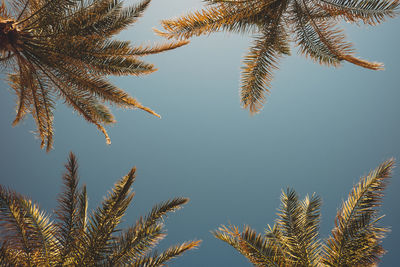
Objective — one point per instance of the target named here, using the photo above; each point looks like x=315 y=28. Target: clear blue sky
x=321 y=129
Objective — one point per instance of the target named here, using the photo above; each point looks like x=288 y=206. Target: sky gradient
x=320 y=130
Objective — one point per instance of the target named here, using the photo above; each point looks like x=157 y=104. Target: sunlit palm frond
x=158 y=48
x=67 y=211
x=258 y=249
x=135 y=243
x=8 y=256
x=235 y=18
x=309 y=40
x=41 y=235
x=369 y=11
x=144 y=235
x=64 y=49
x=312 y=23
x=28 y=234
x=293 y=240
x=29 y=238
x=355 y=240
x=259 y=63
x=167 y=255
x=105 y=219
x=292 y=223
x=228 y=235
x=13 y=226
x=310 y=228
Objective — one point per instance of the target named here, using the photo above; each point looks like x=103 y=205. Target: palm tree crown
x=312 y=23
x=63 y=49
x=29 y=238
x=293 y=240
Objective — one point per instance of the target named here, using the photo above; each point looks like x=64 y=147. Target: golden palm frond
x=167 y=255
x=64 y=49
x=29 y=238
x=312 y=24
x=28 y=235
x=356 y=238
x=293 y=240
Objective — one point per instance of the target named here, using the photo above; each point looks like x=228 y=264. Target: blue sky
x=321 y=129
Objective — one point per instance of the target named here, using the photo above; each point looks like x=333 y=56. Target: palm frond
x=228 y=235
x=8 y=256
x=258 y=249
x=64 y=48
x=257 y=71
x=310 y=229
x=41 y=235
x=167 y=255
x=135 y=243
x=105 y=219
x=309 y=39
x=293 y=240
x=334 y=40
x=312 y=23
x=29 y=238
x=355 y=240
x=158 y=48
x=67 y=211
x=13 y=224
x=368 y=11
x=82 y=210
x=211 y=19
x=291 y=222
x=146 y=233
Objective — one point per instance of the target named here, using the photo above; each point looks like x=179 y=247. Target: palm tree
x=29 y=238
x=63 y=49
x=312 y=23
x=293 y=240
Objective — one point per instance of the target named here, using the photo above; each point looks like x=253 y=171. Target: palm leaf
x=105 y=219
x=64 y=49
x=355 y=240
x=313 y=25
x=369 y=11
x=167 y=255
x=29 y=238
x=258 y=65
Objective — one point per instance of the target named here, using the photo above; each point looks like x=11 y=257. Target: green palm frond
x=312 y=25
x=65 y=49
x=29 y=238
x=294 y=238
x=355 y=240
